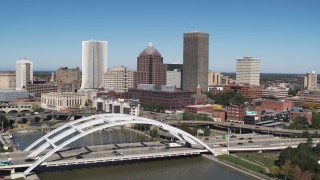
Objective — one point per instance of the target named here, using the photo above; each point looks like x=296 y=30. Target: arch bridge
x=73 y=131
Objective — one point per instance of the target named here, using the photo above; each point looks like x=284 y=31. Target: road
x=98 y=151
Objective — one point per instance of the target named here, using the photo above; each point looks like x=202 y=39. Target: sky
x=284 y=34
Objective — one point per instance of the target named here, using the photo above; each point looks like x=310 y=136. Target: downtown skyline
x=283 y=35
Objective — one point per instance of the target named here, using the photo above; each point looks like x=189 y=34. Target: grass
x=242 y=163
x=266 y=159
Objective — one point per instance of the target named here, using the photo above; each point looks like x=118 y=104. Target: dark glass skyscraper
x=195 y=60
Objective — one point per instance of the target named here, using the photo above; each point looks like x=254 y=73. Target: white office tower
x=24 y=73
x=94 y=64
x=310 y=81
x=248 y=71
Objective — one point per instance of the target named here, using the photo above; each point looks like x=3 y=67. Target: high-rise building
x=195 y=60
x=174 y=75
x=24 y=73
x=248 y=71
x=150 y=67
x=94 y=64
x=310 y=81
x=118 y=79
x=214 y=79
x=8 y=81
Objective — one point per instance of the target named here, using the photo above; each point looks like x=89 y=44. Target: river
x=186 y=168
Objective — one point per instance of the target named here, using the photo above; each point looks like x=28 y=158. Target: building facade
x=275 y=92
x=195 y=60
x=8 y=81
x=38 y=89
x=310 y=81
x=118 y=79
x=246 y=90
x=167 y=95
x=270 y=105
x=66 y=75
x=248 y=70
x=62 y=101
x=150 y=67
x=174 y=75
x=117 y=105
x=300 y=112
x=214 y=79
x=9 y=96
x=94 y=64
x=24 y=73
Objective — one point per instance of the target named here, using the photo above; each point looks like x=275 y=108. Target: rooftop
x=150 y=49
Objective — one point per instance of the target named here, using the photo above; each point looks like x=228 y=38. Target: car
x=79 y=157
x=250 y=141
x=151 y=149
x=240 y=143
x=233 y=136
x=249 y=138
x=215 y=145
x=231 y=124
x=223 y=145
x=257 y=127
x=29 y=160
x=206 y=139
x=241 y=138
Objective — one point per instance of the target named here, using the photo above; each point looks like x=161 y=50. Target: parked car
x=241 y=138
x=250 y=141
x=233 y=136
x=240 y=143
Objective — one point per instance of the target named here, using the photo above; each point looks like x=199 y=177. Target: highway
x=240 y=143
x=254 y=128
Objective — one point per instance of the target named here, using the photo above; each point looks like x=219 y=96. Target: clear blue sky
x=284 y=34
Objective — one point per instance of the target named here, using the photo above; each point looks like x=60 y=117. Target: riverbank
x=237 y=167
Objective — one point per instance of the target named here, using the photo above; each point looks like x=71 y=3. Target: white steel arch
x=91 y=124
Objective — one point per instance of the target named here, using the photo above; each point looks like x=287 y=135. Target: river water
x=184 y=168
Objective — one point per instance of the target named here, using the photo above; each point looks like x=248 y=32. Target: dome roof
x=150 y=50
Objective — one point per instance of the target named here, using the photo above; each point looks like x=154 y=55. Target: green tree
x=37 y=108
x=300 y=123
x=4 y=120
x=153 y=133
x=315 y=120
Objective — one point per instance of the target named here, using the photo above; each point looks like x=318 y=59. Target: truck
x=175 y=144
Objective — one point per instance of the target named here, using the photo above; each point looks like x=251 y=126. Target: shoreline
x=237 y=168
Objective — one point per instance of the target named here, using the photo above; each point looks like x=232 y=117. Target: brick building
x=171 y=98
x=273 y=105
x=246 y=90
x=300 y=112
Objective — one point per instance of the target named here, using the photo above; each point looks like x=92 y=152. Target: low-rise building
x=271 y=105
x=300 y=112
x=38 y=89
x=173 y=99
x=9 y=96
x=199 y=108
x=275 y=92
x=246 y=90
x=61 y=101
x=8 y=81
x=117 y=105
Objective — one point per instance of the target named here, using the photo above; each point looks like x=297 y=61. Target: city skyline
x=282 y=34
